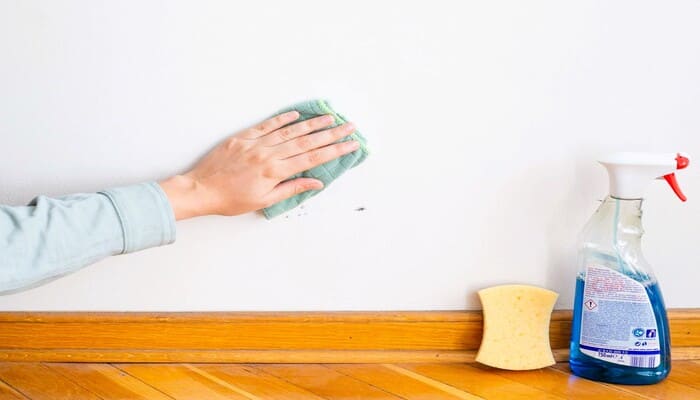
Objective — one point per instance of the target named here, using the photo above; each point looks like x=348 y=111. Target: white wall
x=485 y=119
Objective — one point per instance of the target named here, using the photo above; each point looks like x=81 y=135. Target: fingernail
x=354 y=144
x=349 y=127
x=293 y=115
x=328 y=119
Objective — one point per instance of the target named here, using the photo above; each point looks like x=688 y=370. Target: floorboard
x=664 y=390
x=479 y=382
x=402 y=382
x=36 y=381
x=107 y=381
x=180 y=382
x=9 y=393
x=416 y=381
x=326 y=382
x=562 y=384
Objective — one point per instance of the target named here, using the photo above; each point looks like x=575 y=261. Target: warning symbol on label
x=590 y=304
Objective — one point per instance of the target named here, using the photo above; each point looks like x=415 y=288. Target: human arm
x=52 y=237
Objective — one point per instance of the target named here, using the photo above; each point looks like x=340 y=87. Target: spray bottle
x=620 y=329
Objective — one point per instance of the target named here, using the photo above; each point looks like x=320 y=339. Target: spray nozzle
x=681 y=162
x=630 y=173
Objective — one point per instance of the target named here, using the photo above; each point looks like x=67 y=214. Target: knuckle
x=315 y=157
x=285 y=134
x=339 y=133
x=256 y=157
x=231 y=142
x=270 y=172
x=305 y=142
x=304 y=126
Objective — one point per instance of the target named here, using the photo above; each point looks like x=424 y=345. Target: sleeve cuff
x=147 y=220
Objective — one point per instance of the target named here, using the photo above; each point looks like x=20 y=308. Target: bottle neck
x=613 y=236
x=626 y=206
x=625 y=217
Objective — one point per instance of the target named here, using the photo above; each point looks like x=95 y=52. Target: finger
x=270 y=125
x=316 y=157
x=312 y=141
x=299 y=129
x=293 y=187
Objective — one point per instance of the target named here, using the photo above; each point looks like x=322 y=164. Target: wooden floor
x=323 y=381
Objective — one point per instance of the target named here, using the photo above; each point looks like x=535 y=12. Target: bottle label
x=617 y=321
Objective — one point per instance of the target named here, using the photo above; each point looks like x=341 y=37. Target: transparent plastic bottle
x=620 y=328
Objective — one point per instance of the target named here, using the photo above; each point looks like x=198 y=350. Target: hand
x=248 y=170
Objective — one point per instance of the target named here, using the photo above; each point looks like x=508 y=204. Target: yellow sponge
x=516 y=327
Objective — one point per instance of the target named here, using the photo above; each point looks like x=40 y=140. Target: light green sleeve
x=52 y=237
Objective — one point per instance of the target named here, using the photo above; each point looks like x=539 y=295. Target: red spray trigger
x=681 y=162
x=671 y=179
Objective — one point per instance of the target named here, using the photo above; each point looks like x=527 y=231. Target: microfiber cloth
x=327 y=172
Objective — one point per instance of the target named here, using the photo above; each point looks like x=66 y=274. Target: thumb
x=293 y=187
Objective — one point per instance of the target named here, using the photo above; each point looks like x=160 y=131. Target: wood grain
x=180 y=382
x=479 y=382
x=38 y=382
x=314 y=337
x=259 y=316
x=272 y=356
x=107 y=382
x=255 y=381
x=240 y=356
x=439 y=330
x=687 y=373
x=9 y=393
x=562 y=384
x=325 y=382
x=401 y=382
x=317 y=382
x=666 y=389
x=241 y=336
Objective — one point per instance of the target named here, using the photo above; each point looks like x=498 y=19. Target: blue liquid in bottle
x=599 y=370
x=611 y=241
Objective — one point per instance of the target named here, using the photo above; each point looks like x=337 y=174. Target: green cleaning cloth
x=327 y=172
